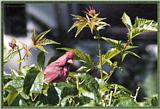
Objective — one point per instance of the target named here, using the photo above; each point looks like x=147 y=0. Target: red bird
x=58 y=70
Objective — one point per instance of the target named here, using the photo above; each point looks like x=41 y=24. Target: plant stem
x=100 y=57
x=110 y=74
x=135 y=97
x=77 y=82
x=20 y=58
x=110 y=98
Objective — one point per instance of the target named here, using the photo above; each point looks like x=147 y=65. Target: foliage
x=26 y=86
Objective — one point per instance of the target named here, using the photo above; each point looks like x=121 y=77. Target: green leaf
x=112 y=41
x=67 y=89
x=127 y=21
x=115 y=51
x=41 y=48
x=90 y=84
x=134 y=54
x=11 y=97
x=124 y=55
x=47 y=42
x=38 y=84
x=126 y=102
x=41 y=35
x=121 y=90
x=39 y=41
x=24 y=96
x=34 y=38
x=29 y=79
x=83 y=100
x=154 y=101
x=22 y=103
x=90 y=104
x=14 y=74
x=79 y=25
x=83 y=69
x=105 y=60
x=41 y=59
x=51 y=98
x=143 y=25
x=9 y=56
x=111 y=53
x=102 y=86
x=14 y=85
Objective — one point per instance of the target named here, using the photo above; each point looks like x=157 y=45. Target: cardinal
x=58 y=70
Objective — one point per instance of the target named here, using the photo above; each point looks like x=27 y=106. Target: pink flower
x=58 y=70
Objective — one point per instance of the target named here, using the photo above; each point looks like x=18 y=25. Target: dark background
x=20 y=19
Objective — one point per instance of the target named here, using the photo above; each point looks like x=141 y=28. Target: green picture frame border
x=2 y=2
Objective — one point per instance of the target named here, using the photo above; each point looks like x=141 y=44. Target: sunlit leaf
x=39 y=40
x=41 y=48
x=14 y=85
x=47 y=41
x=127 y=21
x=41 y=35
x=29 y=79
x=79 y=25
x=25 y=96
x=112 y=41
x=37 y=84
x=143 y=25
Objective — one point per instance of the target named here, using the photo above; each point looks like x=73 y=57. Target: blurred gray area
x=21 y=19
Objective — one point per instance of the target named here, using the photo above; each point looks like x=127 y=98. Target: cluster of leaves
x=26 y=87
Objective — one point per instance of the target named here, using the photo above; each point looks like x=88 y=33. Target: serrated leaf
x=127 y=21
x=111 y=53
x=143 y=25
x=115 y=51
x=112 y=41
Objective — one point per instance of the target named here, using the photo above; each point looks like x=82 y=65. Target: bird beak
x=70 y=61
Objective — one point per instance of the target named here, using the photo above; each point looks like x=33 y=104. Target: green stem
x=20 y=58
x=77 y=82
x=100 y=57
x=110 y=74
